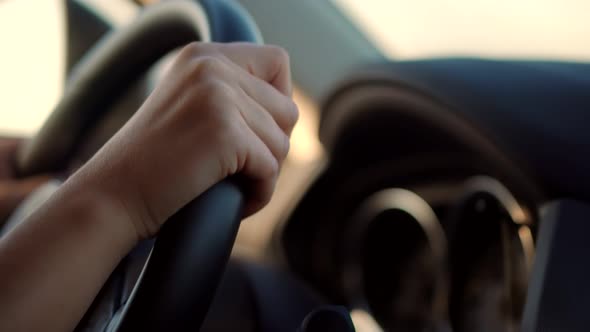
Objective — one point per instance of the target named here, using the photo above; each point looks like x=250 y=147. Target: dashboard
x=427 y=211
x=417 y=255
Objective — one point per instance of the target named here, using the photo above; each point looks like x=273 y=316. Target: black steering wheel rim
x=189 y=256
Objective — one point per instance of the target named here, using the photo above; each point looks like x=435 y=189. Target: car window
x=553 y=29
x=31 y=63
x=32 y=36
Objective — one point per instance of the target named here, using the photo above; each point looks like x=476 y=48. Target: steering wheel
x=179 y=280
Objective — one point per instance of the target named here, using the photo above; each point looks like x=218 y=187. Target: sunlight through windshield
x=553 y=29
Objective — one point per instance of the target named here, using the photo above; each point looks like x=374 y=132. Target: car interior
x=443 y=193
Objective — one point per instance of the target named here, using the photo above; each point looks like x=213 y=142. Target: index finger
x=268 y=63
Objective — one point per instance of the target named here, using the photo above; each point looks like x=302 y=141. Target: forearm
x=54 y=263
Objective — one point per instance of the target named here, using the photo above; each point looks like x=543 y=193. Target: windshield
x=547 y=29
x=33 y=62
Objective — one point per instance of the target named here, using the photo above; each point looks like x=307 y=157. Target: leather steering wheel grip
x=178 y=283
x=187 y=262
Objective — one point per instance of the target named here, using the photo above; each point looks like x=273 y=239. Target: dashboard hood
x=535 y=112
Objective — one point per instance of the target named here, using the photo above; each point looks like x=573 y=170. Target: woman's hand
x=221 y=110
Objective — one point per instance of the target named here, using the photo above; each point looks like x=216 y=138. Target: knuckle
x=190 y=49
x=279 y=54
x=207 y=66
x=279 y=59
x=292 y=113
x=216 y=99
x=215 y=94
x=285 y=146
x=188 y=52
x=273 y=168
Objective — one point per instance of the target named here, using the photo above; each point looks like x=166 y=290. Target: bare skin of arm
x=221 y=110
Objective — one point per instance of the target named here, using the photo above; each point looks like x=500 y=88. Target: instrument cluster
x=451 y=256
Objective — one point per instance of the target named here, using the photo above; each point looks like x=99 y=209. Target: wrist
x=101 y=207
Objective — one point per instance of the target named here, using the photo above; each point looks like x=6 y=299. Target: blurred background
x=32 y=61
x=32 y=35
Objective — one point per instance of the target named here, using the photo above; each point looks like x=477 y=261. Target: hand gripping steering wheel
x=189 y=256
